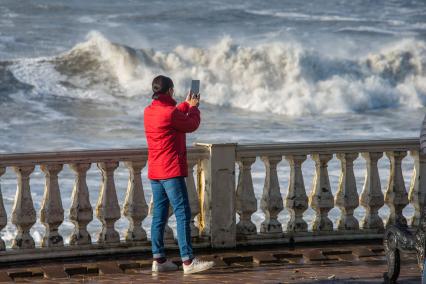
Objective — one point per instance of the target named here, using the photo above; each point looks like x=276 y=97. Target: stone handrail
x=321 y=198
x=216 y=196
x=107 y=210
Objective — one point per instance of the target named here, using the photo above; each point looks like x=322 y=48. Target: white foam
x=278 y=77
x=305 y=17
x=86 y=19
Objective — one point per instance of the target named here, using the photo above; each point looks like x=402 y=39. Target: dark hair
x=161 y=84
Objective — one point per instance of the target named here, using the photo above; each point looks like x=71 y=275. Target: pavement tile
x=237 y=259
x=19 y=273
x=347 y=257
x=4 y=277
x=73 y=270
x=218 y=262
x=145 y=263
x=109 y=268
x=129 y=267
x=363 y=252
x=315 y=255
x=288 y=255
x=54 y=271
x=264 y=258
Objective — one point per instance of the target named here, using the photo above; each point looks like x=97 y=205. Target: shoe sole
x=165 y=270
x=199 y=270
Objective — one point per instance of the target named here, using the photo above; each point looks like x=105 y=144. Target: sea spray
x=279 y=77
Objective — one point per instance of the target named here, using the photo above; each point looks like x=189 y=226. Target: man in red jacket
x=165 y=128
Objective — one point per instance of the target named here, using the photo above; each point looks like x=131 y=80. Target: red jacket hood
x=164 y=99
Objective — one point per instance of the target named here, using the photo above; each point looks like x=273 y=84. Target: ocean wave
x=278 y=77
x=305 y=17
x=367 y=30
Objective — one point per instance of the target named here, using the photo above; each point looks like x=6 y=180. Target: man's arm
x=183 y=107
x=186 y=122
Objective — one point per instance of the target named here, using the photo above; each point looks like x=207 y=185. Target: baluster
x=321 y=198
x=245 y=200
x=296 y=200
x=135 y=207
x=347 y=194
x=23 y=212
x=107 y=209
x=52 y=212
x=3 y=215
x=418 y=186
x=168 y=232
x=372 y=197
x=396 y=196
x=272 y=202
x=81 y=212
x=194 y=202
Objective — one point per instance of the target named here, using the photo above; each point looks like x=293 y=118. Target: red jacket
x=165 y=128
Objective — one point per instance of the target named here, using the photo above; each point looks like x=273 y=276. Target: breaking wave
x=282 y=78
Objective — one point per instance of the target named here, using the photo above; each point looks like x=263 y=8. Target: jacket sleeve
x=186 y=122
x=183 y=107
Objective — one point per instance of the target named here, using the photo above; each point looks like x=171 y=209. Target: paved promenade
x=361 y=263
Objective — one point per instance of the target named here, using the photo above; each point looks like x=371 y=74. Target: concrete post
x=218 y=195
x=52 y=212
x=107 y=208
x=3 y=215
x=418 y=186
x=372 y=197
x=321 y=198
x=81 y=212
x=296 y=200
x=271 y=202
x=23 y=212
x=135 y=208
x=396 y=196
x=347 y=198
x=194 y=201
x=246 y=201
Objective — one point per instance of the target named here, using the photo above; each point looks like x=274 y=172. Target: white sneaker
x=197 y=266
x=162 y=267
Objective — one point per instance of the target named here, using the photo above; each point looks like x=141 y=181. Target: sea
x=77 y=75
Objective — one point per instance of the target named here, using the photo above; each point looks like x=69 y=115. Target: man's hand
x=193 y=100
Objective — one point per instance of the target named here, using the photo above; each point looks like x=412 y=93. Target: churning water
x=77 y=75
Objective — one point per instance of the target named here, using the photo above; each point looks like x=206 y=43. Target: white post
x=194 y=201
x=246 y=201
x=296 y=200
x=347 y=195
x=418 y=186
x=52 y=212
x=271 y=202
x=3 y=214
x=396 y=196
x=81 y=212
x=135 y=207
x=372 y=197
x=321 y=198
x=23 y=213
x=218 y=196
x=107 y=209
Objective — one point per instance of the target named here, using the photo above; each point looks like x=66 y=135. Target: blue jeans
x=171 y=190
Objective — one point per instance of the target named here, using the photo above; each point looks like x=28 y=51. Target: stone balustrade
x=321 y=199
x=222 y=203
x=81 y=212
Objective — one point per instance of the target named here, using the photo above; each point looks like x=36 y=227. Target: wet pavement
x=361 y=263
